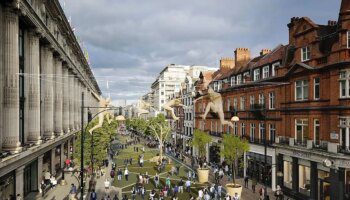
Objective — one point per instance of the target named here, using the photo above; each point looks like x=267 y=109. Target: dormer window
x=305 y=53
x=273 y=70
x=233 y=81
x=239 y=79
x=266 y=72
x=256 y=74
x=215 y=86
x=245 y=76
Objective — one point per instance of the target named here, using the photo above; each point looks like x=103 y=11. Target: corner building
x=43 y=74
x=303 y=89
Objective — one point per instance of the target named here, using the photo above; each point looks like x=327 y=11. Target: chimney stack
x=265 y=51
x=332 y=23
x=227 y=63
x=242 y=56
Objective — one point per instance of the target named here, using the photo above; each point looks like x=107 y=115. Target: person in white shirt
x=126 y=174
x=188 y=185
x=53 y=182
x=219 y=190
x=200 y=194
x=107 y=184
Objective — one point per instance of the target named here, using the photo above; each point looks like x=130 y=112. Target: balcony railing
x=343 y=149
x=300 y=143
x=216 y=134
x=320 y=145
x=284 y=140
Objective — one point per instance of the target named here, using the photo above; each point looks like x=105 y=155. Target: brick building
x=302 y=91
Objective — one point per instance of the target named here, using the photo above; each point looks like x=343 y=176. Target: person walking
x=181 y=186
x=93 y=195
x=107 y=184
x=254 y=183
x=188 y=185
x=120 y=174
x=156 y=180
x=126 y=174
x=246 y=179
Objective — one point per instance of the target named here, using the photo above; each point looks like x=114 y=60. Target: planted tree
x=160 y=129
x=234 y=148
x=200 y=141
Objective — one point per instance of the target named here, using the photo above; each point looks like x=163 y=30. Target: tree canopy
x=200 y=141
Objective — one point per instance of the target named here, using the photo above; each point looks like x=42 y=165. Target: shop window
x=301 y=90
x=304 y=180
x=287 y=174
x=7 y=186
x=324 y=185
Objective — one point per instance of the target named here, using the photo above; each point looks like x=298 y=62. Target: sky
x=131 y=41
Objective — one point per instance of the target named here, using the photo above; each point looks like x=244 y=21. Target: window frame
x=348 y=39
x=266 y=73
x=233 y=81
x=318 y=87
x=242 y=103
x=239 y=79
x=302 y=86
x=252 y=132
x=256 y=74
x=272 y=100
x=307 y=52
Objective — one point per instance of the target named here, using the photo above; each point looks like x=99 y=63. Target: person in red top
x=67 y=163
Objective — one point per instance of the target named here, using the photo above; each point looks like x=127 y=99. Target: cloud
x=131 y=41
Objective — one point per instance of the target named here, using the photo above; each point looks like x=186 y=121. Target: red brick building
x=303 y=91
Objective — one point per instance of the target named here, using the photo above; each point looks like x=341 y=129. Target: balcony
x=343 y=149
x=320 y=145
x=300 y=143
x=283 y=140
x=215 y=134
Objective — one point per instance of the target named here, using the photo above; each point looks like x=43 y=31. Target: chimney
x=292 y=26
x=227 y=63
x=242 y=56
x=265 y=51
x=332 y=23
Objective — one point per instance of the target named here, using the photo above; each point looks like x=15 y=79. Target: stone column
x=63 y=158
x=20 y=181
x=53 y=158
x=10 y=134
x=40 y=170
x=76 y=103
x=71 y=101
x=58 y=97
x=68 y=147
x=32 y=88
x=47 y=92
x=1 y=76
x=65 y=100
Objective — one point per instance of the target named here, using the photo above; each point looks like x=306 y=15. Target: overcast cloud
x=131 y=41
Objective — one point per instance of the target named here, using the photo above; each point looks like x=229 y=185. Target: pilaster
x=58 y=96
x=20 y=181
x=63 y=158
x=47 y=92
x=71 y=101
x=32 y=88
x=40 y=169
x=1 y=75
x=53 y=153
x=65 y=100
x=10 y=140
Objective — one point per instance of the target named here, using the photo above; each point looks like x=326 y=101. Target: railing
x=216 y=134
x=284 y=140
x=300 y=143
x=343 y=149
x=321 y=145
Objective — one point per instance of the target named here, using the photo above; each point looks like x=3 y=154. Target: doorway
x=30 y=178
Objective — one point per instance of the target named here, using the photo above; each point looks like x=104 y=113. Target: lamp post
x=234 y=119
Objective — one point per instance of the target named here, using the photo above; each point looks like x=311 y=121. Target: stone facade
x=44 y=72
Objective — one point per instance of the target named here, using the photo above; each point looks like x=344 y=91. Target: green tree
x=200 y=141
x=234 y=148
x=160 y=129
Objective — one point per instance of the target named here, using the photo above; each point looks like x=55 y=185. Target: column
x=65 y=100
x=76 y=103
x=53 y=153
x=19 y=181
x=63 y=158
x=10 y=134
x=40 y=170
x=273 y=173
x=32 y=88
x=1 y=77
x=314 y=180
x=47 y=92
x=71 y=101
x=68 y=147
x=58 y=96
x=295 y=174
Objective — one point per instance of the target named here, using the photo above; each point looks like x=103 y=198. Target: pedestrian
x=156 y=180
x=133 y=193
x=236 y=197
x=219 y=190
x=200 y=194
x=120 y=174
x=115 y=197
x=246 y=179
x=254 y=184
x=188 y=185
x=107 y=184
x=152 y=194
x=93 y=195
x=143 y=192
x=112 y=174
x=53 y=182
x=279 y=193
x=181 y=186
x=146 y=178
x=167 y=182
x=42 y=188
x=73 y=191
x=126 y=174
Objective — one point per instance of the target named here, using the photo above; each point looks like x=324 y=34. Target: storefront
x=305 y=176
x=47 y=163
x=57 y=161
x=7 y=186
x=30 y=178
x=255 y=167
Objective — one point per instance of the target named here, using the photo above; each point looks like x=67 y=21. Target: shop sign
x=334 y=136
x=301 y=154
x=344 y=163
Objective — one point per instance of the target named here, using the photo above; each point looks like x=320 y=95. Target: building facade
x=295 y=97
x=44 y=73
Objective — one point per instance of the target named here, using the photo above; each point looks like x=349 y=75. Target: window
x=219 y=85
x=273 y=70
x=304 y=180
x=266 y=72
x=287 y=174
x=317 y=88
x=239 y=79
x=301 y=90
x=305 y=54
x=344 y=84
x=243 y=129
x=252 y=132
x=317 y=132
x=272 y=129
x=261 y=99
x=228 y=104
x=162 y=93
x=215 y=86
x=242 y=103
x=344 y=133
x=245 y=75
x=348 y=39
x=272 y=100
x=235 y=128
x=262 y=132
x=302 y=130
x=235 y=103
x=256 y=74
x=252 y=102
x=233 y=81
